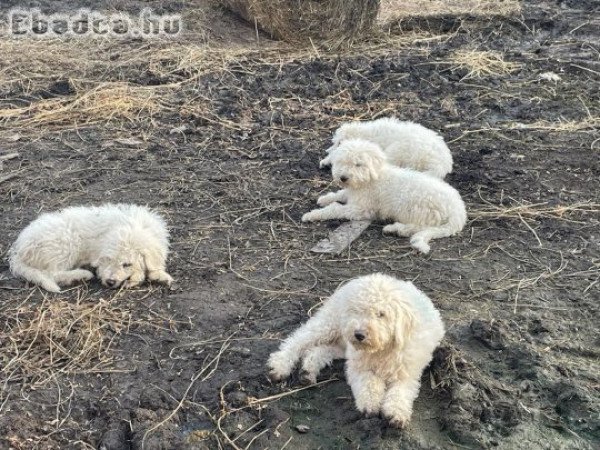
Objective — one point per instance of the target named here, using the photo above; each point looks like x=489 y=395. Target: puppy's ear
x=153 y=259
x=405 y=323
x=376 y=161
x=152 y=250
x=96 y=262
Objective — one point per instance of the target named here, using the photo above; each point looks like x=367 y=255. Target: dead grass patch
x=41 y=341
x=561 y=126
x=101 y=103
x=34 y=62
x=399 y=9
x=480 y=64
x=334 y=21
x=526 y=211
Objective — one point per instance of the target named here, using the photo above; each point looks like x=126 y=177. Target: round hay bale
x=302 y=20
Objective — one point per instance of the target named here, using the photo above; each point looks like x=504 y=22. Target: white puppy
x=123 y=242
x=422 y=206
x=406 y=144
x=385 y=328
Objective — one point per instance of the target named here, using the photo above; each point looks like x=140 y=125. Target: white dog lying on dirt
x=123 y=242
x=406 y=144
x=385 y=328
x=422 y=207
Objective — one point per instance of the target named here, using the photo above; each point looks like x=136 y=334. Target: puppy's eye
x=126 y=264
x=380 y=314
x=358 y=165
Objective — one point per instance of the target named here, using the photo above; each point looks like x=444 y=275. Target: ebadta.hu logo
x=86 y=23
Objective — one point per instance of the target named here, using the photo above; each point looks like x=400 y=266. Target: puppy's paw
x=76 y=275
x=390 y=229
x=161 y=276
x=367 y=406
x=281 y=366
x=368 y=401
x=307 y=377
x=132 y=282
x=397 y=422
x=50 y=286
x=324 y=200
x=83 y=274
x=309 y=217
x=397 y=412
x=420 y=245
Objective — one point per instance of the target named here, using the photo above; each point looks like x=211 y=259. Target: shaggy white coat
x=386 y=329
x=421 y=206
x=123 y=242
x=406 y=144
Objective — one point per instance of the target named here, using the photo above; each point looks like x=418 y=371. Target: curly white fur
x=123 y=242
x=406 y=144
x=386 y=329
x=422 y=206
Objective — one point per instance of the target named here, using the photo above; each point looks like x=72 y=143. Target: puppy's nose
x=359 y=335
x=110 y=282
x=343 y=178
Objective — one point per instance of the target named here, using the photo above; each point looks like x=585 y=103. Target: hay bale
x=302 y=20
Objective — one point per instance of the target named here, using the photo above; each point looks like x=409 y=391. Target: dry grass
x=33 y=64
x=40 y=341
x=560 y=126
x=480 y=64
x=93 y=98
x=335 y=21
x=534 y=211
x=100 y=103
x=399 y=9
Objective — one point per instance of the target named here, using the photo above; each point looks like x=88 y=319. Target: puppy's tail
x=420 y=240
x=39 y=277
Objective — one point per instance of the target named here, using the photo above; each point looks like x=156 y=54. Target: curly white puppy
x=386 y=329
x=423 y=207
x=406 y=144
x=123 y=242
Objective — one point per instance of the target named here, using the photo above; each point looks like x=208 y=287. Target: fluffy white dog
x=385 y=328
x=123 y=242
x=406 y=144
x=422 y=206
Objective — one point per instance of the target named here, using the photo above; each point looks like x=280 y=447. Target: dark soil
x=519 y=366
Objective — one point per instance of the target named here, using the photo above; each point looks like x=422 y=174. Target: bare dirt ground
x=223 y=135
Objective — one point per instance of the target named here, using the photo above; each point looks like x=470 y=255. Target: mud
x=519 y=365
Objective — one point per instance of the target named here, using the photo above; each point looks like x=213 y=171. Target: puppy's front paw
x=397 y=410
x=324 y=200
x=307 y=377
x=420 y=245
x=390 y=229
x=85 y=274
x=133 y=282
x=309 y=217
x=161 y=277
x=367 y=406
x=281 y=366
x=51 y=286
x=324 y=163
x=397 y=422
